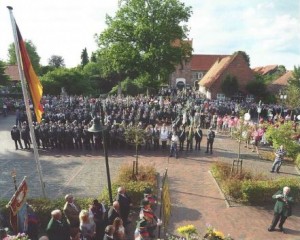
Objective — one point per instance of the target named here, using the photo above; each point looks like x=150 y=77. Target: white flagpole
x=26 y=101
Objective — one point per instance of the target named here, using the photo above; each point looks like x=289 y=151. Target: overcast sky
x=267 y=30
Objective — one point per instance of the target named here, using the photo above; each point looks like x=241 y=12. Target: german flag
x=34 y=84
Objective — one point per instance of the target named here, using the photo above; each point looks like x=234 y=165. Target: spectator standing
x=282 y=208
x=279 y=156
x=119 y=233
x=173 y=145
x=164 y=134
x=57 y=228
x=113 y=213
x=87 y=226
x=125 y=204
x=71 y=211
x=98 y=210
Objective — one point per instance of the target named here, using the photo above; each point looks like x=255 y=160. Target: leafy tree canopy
x=145 y=37
x=245 y=56
x=295 y=80
x=72 y=80
x=257 y=88
x=56 y=61
x=4 y=79
x=230 y=86
x=32 y=52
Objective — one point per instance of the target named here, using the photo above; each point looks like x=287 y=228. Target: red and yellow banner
x=34 y=84
x=19 y=198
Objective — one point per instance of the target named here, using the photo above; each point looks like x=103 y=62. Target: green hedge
x=254 y=189
x=298 y=161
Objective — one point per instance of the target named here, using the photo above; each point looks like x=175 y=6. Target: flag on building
x=33 y=82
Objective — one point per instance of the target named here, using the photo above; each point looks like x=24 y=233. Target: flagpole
x=26 y=101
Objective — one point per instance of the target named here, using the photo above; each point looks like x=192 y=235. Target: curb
x=221 y=192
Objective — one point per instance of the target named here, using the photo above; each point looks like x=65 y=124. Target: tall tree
x=145 y=38
x=56 y=61
x=84 y=57
x=293 y=89
x=4 y=79
x=32 y=52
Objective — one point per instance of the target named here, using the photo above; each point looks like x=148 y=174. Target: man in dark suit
x=282 y=208
x=16 y=136
x=198 y=138
x=113 y=213
x=125 y=204
x=210 y=140
x=57 y=228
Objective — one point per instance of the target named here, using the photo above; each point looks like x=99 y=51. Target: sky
x=267 y=30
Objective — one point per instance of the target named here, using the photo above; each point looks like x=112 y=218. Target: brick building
x=191 y=71
x=235 y=66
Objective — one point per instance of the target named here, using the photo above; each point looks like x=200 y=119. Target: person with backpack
x=210 y=140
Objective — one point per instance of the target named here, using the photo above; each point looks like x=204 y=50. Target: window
x=197 y=75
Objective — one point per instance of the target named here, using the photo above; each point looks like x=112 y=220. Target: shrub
x=260 y=192
x=283 y=134
x=298 y=161
x=251 y=188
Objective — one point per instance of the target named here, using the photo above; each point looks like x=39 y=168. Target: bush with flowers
x=19 y=236
x=213 y=234
x=187 y=231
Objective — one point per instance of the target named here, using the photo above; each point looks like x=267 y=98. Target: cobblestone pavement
x=195 y=196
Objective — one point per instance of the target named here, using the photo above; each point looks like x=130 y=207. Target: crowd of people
x=99 y=223
x=66 y=121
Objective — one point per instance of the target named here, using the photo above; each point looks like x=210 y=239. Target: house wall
x=182 y=71
x=238 y=68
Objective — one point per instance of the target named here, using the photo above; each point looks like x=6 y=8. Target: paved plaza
x=196 y=198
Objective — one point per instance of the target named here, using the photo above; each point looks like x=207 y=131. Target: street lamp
x=283 y=97
x=96 y=128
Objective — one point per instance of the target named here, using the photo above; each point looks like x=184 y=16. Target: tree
x=32 y=52
x=84 y=57
x=94 y=57
x=72 y=80
x=257 y=88
x=4 y=79
x=145 y=38
x=245 y=56
x=293 y=89
x=230 y=86
x=56 y=61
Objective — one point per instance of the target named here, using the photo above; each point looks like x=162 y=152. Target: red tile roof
x=280 y=82
x=202 y=62
x=265 y=69
x=215 y=71
x=13 y=72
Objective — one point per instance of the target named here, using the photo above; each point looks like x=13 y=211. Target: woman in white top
x=87 y=227
x=119 y=229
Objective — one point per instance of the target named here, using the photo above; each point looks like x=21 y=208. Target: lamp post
x=283 y=97
x=96 y=128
